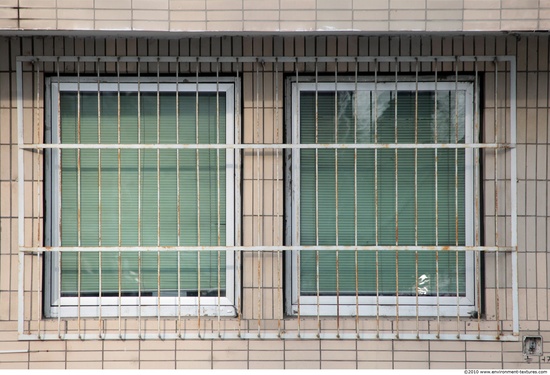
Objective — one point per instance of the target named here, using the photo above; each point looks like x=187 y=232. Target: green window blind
x=384 y=124
x=141 y=204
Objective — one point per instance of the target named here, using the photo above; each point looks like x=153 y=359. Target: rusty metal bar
x=39 y=200
x=218 y=191
x=99 y=204
x=258 y=197
x=477 y=218
x=297 y=109
x=158 y=200
x=291 y=336
x=444 y=248
x=416 y=198
x=317 y=273
x=244 y=146
x=336 y=201
x=178 y=199
x=58 y=133
x=436 y=175
x=119 y=203
x=276 y=212
x=78 y=192
x=197 y=166
x=239 y=240
x=496 y=202
x=396 y=202
x=267 y=59
x=376 y=196
x=456 y=206
x=355 y=191
x=139 y=191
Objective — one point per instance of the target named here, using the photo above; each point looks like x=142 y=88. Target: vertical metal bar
x=59 y=255
x=416 y=198
x=239 y=242
x=178 y=208
x=513 y=197
x=39 y=293
x=258 y=198
x=277 y=192
x=158 y=199
x=218 y=189
x=355 y=208
x=297 y=110
x=317 y=273
x=376 y=196
x=456 y=205
x=396 y=203
x=99 y=208
x=119 y=205
x=336 y=197
x=495 y=166
x=139 y=192
x=39 y=199
x=78 y=193
x=477 y=218
x=197 y=165
x=21 y=200
x=436 y=200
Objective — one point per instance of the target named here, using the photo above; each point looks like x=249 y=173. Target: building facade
x=237 y=184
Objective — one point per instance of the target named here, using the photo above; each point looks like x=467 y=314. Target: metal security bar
x=225 y=280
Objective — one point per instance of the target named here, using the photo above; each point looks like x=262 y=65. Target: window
x=124 y=185
x=404 y=186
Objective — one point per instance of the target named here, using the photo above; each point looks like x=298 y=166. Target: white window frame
x=428 y=306
x=56 y=306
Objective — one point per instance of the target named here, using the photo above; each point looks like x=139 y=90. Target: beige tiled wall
x=262 y=123
x=271 y=16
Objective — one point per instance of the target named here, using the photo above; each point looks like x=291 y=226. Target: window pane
x=148 y=195
x=390 y=205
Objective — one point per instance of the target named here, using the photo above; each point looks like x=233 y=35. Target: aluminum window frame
x=134 y=306
x=390 y=306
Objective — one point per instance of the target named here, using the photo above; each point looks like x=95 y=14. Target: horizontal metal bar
x=265 y=59
x=284 y=335
x=244 y=146
x=266 y=248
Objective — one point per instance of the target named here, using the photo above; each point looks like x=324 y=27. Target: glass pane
x=385 y=191
x=146 y=186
